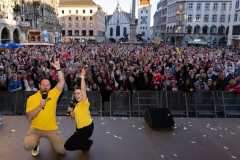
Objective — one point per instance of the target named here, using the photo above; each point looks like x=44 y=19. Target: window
x=76 y=32
x=230 y=6
x=111 y=32
x=222 y=18
x=84 y=11
x=90 y=18
x=70 y=32
x=125 y=32
x=63 y=32
x=235 y=17
x=90 y=32
x=214 y=18
x=229 y=18
x=237 y=4
x=118 y=31
x=84 y=32
x=206 y=18
x=189 y=18
x=199 y=6
x=76 y=11
x=236 y=30
x=207 y=6
x=215 y=6
x=62 y=11
x=190 y=6
x=84 y=18
x=146 y=11
x=69 y=11
x=224 y=6
x=76 y=18
x=69 y=18
x=198 y=17
x=90 y=11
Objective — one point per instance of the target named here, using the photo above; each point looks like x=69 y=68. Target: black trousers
x=80 y=139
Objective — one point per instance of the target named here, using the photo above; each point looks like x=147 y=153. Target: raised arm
x=61 y=79
x=83 y=83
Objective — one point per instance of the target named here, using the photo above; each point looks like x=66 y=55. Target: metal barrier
x=120 y=104
x=197 y=104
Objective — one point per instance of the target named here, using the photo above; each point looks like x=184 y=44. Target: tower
x=133 y=25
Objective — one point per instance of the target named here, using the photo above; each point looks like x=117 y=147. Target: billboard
x=144 y=2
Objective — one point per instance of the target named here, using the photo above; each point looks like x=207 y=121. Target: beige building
x=81 y=20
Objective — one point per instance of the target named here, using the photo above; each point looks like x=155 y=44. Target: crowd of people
x=123 y=67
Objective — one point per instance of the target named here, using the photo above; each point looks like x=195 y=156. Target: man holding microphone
x=41 y=111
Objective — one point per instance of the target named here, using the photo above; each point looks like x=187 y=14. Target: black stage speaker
x=158 y=118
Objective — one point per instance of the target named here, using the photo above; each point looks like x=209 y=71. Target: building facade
x=81 y=20
x=160 y=21
x=234 y=31
x=195 y=21
x=118 y=25
x=144 y=21
x=38 y=20
x=9 y=27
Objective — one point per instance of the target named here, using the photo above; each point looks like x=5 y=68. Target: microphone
x=44 y=96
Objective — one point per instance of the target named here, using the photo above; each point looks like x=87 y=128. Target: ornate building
x=9 y=27
x=195 y=21
x=144 y=19
x=39 y=20
x=118 y=25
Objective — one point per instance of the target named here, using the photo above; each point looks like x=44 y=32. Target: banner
x=46 y=36
x=144 y=2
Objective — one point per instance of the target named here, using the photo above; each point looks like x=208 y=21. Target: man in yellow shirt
x=41 y=111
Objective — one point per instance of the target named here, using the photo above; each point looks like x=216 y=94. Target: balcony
x=8 y=21
x=24 y=24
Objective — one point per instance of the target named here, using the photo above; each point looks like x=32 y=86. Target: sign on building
x=144 y=2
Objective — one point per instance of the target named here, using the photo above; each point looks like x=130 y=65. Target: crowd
x=123 y=67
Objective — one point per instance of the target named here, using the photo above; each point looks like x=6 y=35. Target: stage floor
x=130 y=139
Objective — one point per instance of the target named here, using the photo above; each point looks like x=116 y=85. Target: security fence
x=181 y=104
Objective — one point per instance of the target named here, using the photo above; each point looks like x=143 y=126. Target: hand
x=42 y=103
x=83 y=72
x=56 y=63
x=70 y=109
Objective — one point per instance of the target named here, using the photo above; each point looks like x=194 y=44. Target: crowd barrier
x=181 y=104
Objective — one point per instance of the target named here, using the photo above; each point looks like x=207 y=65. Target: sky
x=110 y=5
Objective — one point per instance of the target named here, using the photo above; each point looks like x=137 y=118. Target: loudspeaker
x=158 y=118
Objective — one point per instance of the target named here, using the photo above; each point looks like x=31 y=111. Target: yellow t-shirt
x=46 y=118
x=82 y=114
